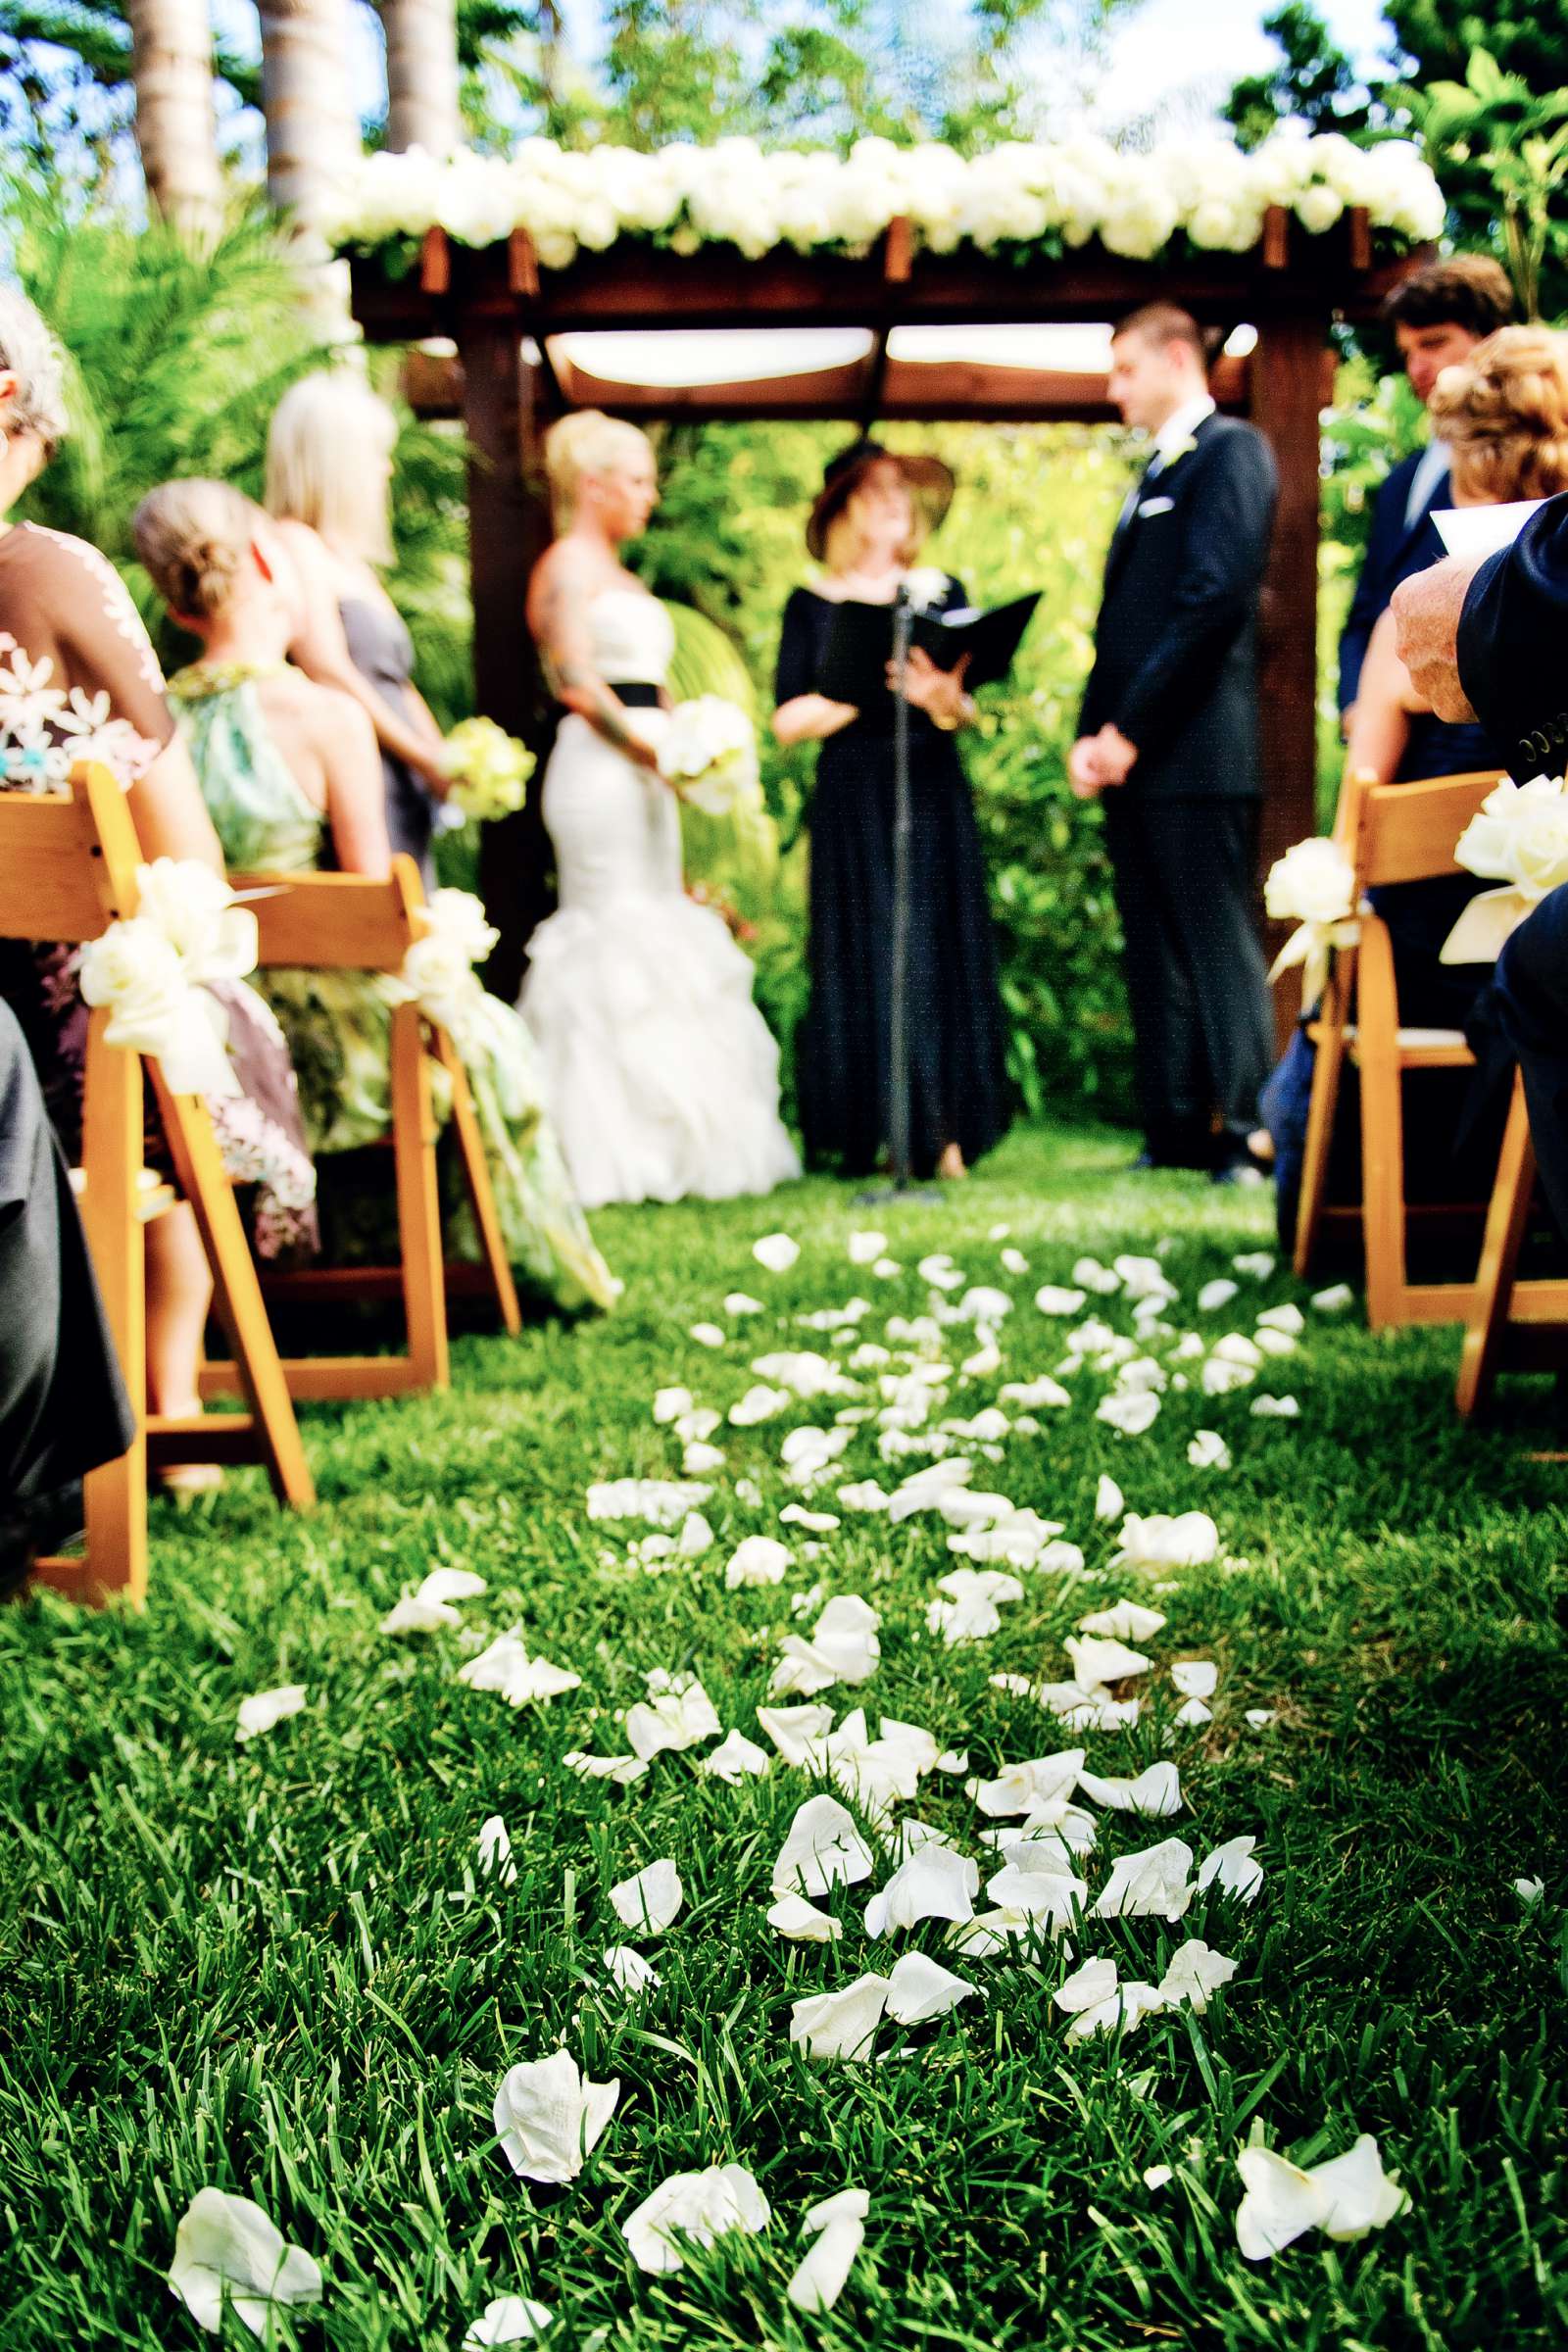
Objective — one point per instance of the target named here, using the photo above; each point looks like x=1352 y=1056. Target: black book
x=859 y=645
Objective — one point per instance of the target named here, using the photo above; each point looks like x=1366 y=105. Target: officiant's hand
x=939 y=693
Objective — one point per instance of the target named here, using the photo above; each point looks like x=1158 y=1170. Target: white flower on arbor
x=830 y=2026
x=777 y=1251
x=650 y=1901
x=506 y=1668
x=758 y=1561
x=824 y=1848
x=226 y=2250
x=264 y=1709
x=702 y=2207
x=508 y=2319
x=1346 y=2198
x=548 y=2117
x=838 y=2228
x=735 y=1759
x=495 y=1852
x=676 y=1714
x=935 y=1883
x=1194 y=1972
x=1232 y=1868
x=1155 y=1793
x=1152 y=1884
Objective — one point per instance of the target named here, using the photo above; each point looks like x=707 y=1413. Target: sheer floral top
x=79 y=680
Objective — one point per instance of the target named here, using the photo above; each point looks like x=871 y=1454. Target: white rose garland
x=1519 y=837
x=152 y=970
x=1313 y=885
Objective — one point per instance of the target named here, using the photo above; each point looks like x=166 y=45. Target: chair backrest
x=67 y=860
x=1407 y=832
x=337 y=922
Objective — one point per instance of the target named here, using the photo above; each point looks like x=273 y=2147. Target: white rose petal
x=1151 y=1885
x=1333 y=1301
x=935 y=1883
x=548 y=2117
x=1109 y=1501
x=1195 y=1678
x=801 y=1922
x=838 y=2224
x=508 y=2319
x=506 y=1668
x=264 y=1708
x=1156 y=1792
x=741 y=1302
x=632 y=1974
x=1132 y=1411
x=830 y=2026
x=708 y=1335
x=1087 y=1987
x=1275 y=1408
x=701 y=2206
x=866 y=1247
x=623 y=1770
x=1347 y=2197
x=226 y=2250
x=1157 y=2176
x=1023 y=1788
x=777 y=1251
x=1207 y=1450
x=662 y=1501
x=758 y=1561
x=670 y=1404
x=1193 y=1712
x=1258 y=1263
x=1194 y=1972
x=1094 y=1659
x=824 y=1848
x=735 y=1759
x=1232 y=1868
x=921 y=1990
x=495 y=1851
x=1530 y=1892
x=796 y=1731
x=1215 y=1295
x=1123 y=2012
x=650 y=1901
x=1127 y=1621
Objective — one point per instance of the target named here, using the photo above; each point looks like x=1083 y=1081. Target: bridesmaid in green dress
x=291 y=776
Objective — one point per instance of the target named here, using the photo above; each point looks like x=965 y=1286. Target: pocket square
x=1157 y=506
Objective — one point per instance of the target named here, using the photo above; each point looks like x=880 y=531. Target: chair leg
x=1382 y=1130
x=114 y=1496
x=414 y=1136
x=236 y=1293
x=476 y=1176
x=1503 y=1238
x=1327 y=1074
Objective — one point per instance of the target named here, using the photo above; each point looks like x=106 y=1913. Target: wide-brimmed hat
x=931 y=486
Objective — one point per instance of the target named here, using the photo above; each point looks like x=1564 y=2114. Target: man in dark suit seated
x=1437 y=317
x=1490 y=642
x=1168 y=740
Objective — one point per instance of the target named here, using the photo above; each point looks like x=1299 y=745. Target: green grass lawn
x=275 y=1968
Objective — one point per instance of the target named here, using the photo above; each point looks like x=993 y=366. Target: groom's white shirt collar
x=1181 y=425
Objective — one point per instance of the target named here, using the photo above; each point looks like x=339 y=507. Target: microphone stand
x=900 y=1183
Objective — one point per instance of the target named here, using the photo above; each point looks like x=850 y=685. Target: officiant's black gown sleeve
x=957 y=1088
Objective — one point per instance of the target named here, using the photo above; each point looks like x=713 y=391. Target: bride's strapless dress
x=661 y=1073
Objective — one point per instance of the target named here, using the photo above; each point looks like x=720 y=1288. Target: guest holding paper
x=1437 y=315
x=865 y=529
x=1168 y=740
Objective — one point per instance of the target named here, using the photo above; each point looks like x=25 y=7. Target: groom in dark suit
x=1168 y=739
x=1437 y=315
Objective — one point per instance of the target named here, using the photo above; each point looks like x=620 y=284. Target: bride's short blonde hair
x=587 y=442
x=326 y=455
x=192 y=539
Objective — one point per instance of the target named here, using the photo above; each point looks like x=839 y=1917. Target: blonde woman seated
x=661 y=1073
x=1504 y=411
x=328 y=481
x=289 y=772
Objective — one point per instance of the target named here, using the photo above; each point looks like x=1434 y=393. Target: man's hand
x=1116 y=755
x=1083 y=768
x=1426 y=618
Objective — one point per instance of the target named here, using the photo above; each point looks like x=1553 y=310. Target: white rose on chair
x=708 y=752
x=1518 y=837
x=1313 y=885
x=148 y=971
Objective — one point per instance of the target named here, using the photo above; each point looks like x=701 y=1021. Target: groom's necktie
x=1130 y=502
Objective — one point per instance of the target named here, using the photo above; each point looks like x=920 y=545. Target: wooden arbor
x=502 y=310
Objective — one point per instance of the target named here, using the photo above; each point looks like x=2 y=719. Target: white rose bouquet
x=1313 y=885
x=489 y=769
x=438 y=973
x=1518 y=837
x=709 y=754
x=152 y=971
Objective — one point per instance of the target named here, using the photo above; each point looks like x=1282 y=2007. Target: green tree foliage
x=1504 y=150
x=1313 y=82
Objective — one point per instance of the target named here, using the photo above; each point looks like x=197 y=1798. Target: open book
x=859 y=645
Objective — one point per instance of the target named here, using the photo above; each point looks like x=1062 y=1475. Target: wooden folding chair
x=67 y=869
x=347 y=922
x=1516 y=1325
x=1391 y=833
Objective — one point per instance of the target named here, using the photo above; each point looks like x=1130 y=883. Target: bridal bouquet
x=1313 y=885
x=709 y=754
x=1519 y=838
x=489 y=769
x=151 y=971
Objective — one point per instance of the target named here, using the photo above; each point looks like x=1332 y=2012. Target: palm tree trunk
x=176 y=123
x=313 y=136
x=422 y=75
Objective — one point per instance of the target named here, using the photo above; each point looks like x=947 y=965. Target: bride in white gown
x=661 y=1073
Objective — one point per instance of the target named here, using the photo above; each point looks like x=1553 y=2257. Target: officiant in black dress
x=865 y=529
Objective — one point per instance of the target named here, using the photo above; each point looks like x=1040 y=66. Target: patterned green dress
x=338 y=1025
